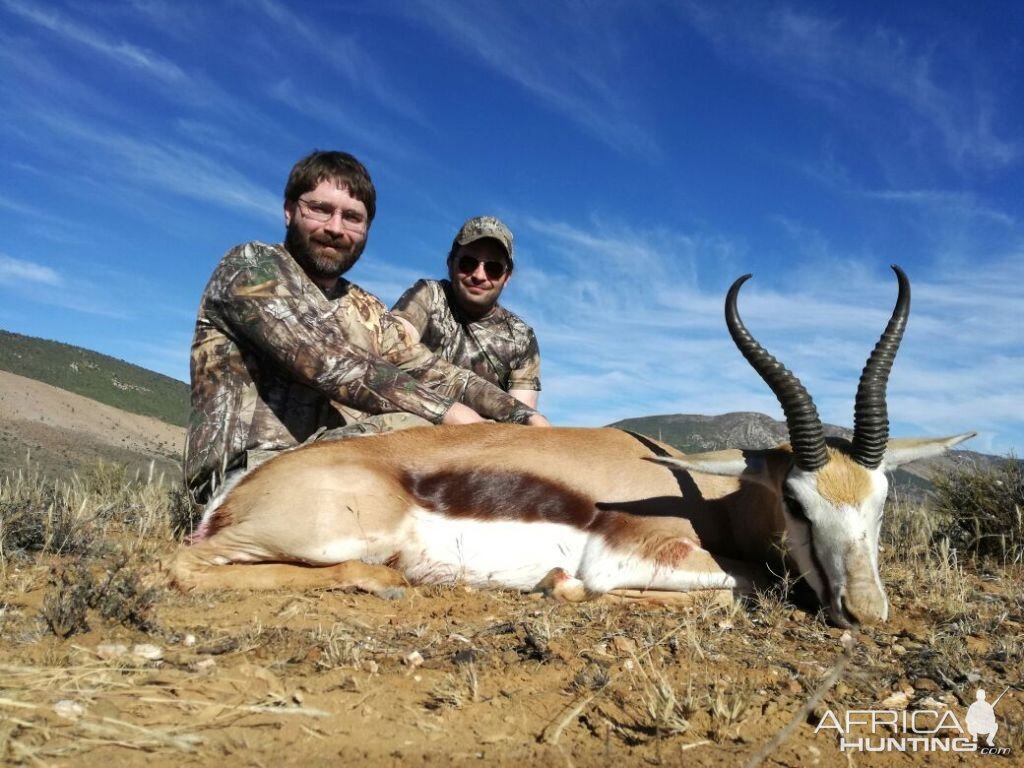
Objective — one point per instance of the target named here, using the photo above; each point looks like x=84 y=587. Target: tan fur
x=842 y=481
x=352 y=489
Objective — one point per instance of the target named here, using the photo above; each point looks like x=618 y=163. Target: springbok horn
x=806 y=434
x=870 y=417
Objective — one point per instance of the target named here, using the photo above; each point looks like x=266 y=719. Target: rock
x=413 y=659
x=111 y=650
x=68 y=709
x=207 y=664
x=898 y=700
x=148 y=652
x=624 y=645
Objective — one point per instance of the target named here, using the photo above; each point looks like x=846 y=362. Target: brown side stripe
x=484 y=494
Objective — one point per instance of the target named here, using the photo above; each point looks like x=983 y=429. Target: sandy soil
x=62 y=429
x=452 y=676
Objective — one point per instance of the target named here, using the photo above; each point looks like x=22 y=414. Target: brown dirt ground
x=62 y=431
x=455 y=676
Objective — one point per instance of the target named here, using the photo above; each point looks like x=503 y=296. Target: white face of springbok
x=833 y=523
x=832 y=515
x=834 y=492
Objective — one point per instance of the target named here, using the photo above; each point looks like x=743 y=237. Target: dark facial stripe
x=485 y=494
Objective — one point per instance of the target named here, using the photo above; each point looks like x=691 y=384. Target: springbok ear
x=906 y=450
x=730 y=463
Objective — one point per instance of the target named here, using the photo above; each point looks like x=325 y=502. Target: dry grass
x=454 y=671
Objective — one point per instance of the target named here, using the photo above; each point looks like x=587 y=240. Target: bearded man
x=286 y=350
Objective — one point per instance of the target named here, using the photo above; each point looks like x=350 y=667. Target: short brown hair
x=334 y=166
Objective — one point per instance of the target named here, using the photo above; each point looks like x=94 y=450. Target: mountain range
x=66 y=407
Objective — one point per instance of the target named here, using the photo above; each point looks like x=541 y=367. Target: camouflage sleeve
x=262 y=301
x=414 y=306
x=458 y=383
x=526 y=371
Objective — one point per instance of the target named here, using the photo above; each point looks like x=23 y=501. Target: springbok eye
x=795 y=507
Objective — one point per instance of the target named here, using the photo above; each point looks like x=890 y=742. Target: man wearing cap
x=286 y=350
x=460 y=320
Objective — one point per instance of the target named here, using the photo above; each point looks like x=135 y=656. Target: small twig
x=17 y=704
x=685 y=747
x=801 y=714
x=572 y=714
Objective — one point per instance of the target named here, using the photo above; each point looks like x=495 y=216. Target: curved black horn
x=870 y=417
x=806 y=434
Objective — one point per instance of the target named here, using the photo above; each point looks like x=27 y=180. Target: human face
x=326 y=249
x=475 y=292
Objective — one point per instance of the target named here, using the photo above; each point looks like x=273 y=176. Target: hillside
x=694 y=433
x=63 y=432
x=98 y=377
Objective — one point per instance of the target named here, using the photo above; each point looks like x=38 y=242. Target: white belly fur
x=438 y=549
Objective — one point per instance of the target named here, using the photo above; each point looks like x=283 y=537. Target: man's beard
x=326 y=258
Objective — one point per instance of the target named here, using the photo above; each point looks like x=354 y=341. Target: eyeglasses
x=493 y=269
x=352 y=220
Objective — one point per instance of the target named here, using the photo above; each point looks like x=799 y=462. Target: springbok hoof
x=562 y=586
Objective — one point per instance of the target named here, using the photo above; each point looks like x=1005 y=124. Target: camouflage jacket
x=499 y=347
x=274 y=360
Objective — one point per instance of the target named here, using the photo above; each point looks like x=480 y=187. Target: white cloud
x=163 y=164
x=828 y=60
x=123 y=52
x=16 y=271
x=629 y=326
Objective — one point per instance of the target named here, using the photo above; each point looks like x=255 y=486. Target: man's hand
x=538 y=421
x=462 y=414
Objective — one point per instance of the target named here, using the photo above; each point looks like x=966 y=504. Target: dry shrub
x=118 y=596
x=81 y=515
x=981 y=508
x=40 y=515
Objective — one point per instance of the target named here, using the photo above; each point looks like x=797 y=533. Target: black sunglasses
x=493 y=269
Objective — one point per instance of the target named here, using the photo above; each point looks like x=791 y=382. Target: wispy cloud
x=39 y=283
x=165 y=165
x=564 y=55
x=828 y=59
x=17 y=271
x=964 y=204
x=349 y=58
x=350 y=120
x=669 y=351
x=120 y=51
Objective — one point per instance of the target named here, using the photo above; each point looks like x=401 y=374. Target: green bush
x=981 y=509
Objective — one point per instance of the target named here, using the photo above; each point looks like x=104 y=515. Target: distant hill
x=57 y=432
x=692 y=433
x=98 y=377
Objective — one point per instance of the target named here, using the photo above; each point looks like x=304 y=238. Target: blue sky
x=644 y=154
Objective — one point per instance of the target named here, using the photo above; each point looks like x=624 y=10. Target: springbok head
x=834 y=491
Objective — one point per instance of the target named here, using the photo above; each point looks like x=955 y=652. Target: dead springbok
x=590 y=510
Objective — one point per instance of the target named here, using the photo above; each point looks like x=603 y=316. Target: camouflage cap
x=480 y=227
